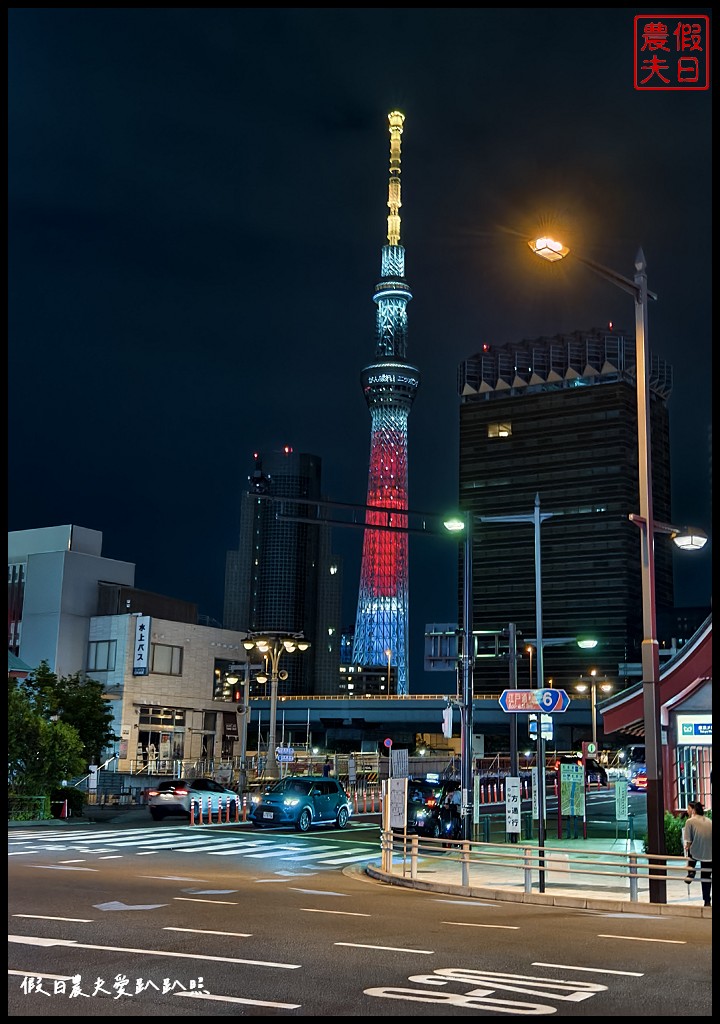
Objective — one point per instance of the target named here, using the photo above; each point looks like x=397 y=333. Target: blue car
x=302 y=801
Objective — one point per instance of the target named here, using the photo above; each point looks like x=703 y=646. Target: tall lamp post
x=536 y=517
x=272 y=647
x=456 y=525
x=388 y=655
x=593 y=686
x=551 y=250
x=233 y=678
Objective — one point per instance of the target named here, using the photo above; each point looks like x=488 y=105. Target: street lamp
x=233 y=678
x=272 y=647
x=552 y=250
x=536 y=517
x=456 y=525
x=583 y=687
x=388 y=655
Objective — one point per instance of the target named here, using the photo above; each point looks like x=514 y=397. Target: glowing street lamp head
x=454 y=524
x=548 y=248
x=690 y=538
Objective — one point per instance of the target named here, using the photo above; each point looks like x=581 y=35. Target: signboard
x=512 y=804
x=284 y=755
x=230 y=724
x=535 y=801
x=695 y=730
x=400 y=763
x=352 y=770
x=141 y=653
x=546 y=725
x=572 y=790
x=529 y=701
x=621 y=801
x=397 y=789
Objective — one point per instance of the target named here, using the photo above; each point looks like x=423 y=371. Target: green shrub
x=76 y=800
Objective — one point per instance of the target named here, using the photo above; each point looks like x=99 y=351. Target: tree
x=77 y=701
x=41 y=753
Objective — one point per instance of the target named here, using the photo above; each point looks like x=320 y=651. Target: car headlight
x=255 y=799
x=291 y=801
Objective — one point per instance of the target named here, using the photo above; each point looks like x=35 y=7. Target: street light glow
x=548 y=249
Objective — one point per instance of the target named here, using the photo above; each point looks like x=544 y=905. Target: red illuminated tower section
x=389 y=384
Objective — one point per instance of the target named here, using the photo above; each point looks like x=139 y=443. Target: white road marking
x=187 y=899
x=592 y=970
x=467 y=924
x=389 y=949
x=641 y=938
x=345 y=913
x=46 y=917
x=238 y=999
x=207 y=931
x=27 y=940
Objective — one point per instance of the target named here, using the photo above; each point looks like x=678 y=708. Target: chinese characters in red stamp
x=672 y=51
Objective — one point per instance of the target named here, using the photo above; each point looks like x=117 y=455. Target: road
x=228 y=920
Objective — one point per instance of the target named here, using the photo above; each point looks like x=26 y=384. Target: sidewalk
x=565 y=884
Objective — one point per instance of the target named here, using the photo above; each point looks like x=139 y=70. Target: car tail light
x=431 y=802
x=180 y=792
x=153 y=792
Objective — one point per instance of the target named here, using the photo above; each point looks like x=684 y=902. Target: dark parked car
x=175 y=797
x=302 y=801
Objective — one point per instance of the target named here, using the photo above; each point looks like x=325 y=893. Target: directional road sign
x=532 y=701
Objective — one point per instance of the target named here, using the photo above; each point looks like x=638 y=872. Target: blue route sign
x=532 y=701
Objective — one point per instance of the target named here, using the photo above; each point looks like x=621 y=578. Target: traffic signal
x=447 y=723
x=237 y=695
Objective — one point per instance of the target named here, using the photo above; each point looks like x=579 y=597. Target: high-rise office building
x=389 y=384
x=557 y=417
x=283 y=577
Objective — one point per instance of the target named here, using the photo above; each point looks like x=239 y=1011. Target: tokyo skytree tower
x=389 y=384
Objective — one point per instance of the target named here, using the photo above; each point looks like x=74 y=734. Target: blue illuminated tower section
x=389 y=384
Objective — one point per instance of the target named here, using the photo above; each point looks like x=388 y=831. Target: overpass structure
x=348 y=722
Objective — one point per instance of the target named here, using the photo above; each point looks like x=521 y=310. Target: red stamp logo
x=672 y=51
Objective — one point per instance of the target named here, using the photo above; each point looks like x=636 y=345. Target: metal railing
x=526 y=867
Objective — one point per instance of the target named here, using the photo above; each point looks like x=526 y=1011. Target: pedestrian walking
x=326 y=767
x=698 y=833
x=689 y=812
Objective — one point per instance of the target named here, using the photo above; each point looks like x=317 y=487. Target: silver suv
x=302 y=801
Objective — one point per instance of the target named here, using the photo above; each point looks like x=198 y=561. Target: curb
x=542 y=899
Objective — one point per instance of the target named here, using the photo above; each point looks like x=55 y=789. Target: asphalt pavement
x=564 y=883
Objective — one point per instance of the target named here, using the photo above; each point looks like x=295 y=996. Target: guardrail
x=526 y=867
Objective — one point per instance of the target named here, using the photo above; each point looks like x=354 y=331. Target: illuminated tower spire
x=390 y=384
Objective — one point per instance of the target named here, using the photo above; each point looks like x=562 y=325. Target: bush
x=76 y=800
x=673 y=834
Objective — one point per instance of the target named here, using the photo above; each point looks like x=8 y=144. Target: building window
x=162 y=718
x=499 y=430
x=166 y=660
x=101 y=655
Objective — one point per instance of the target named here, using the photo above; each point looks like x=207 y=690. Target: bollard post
x=414 y=842
x=465 y=864
x=633 y=868
x=527 y=858
x=244 y=802
x=200 y=815
x=192 y=812
x=364 y=801
x=227 y=811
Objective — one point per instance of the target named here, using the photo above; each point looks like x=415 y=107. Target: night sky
x=197 y=207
